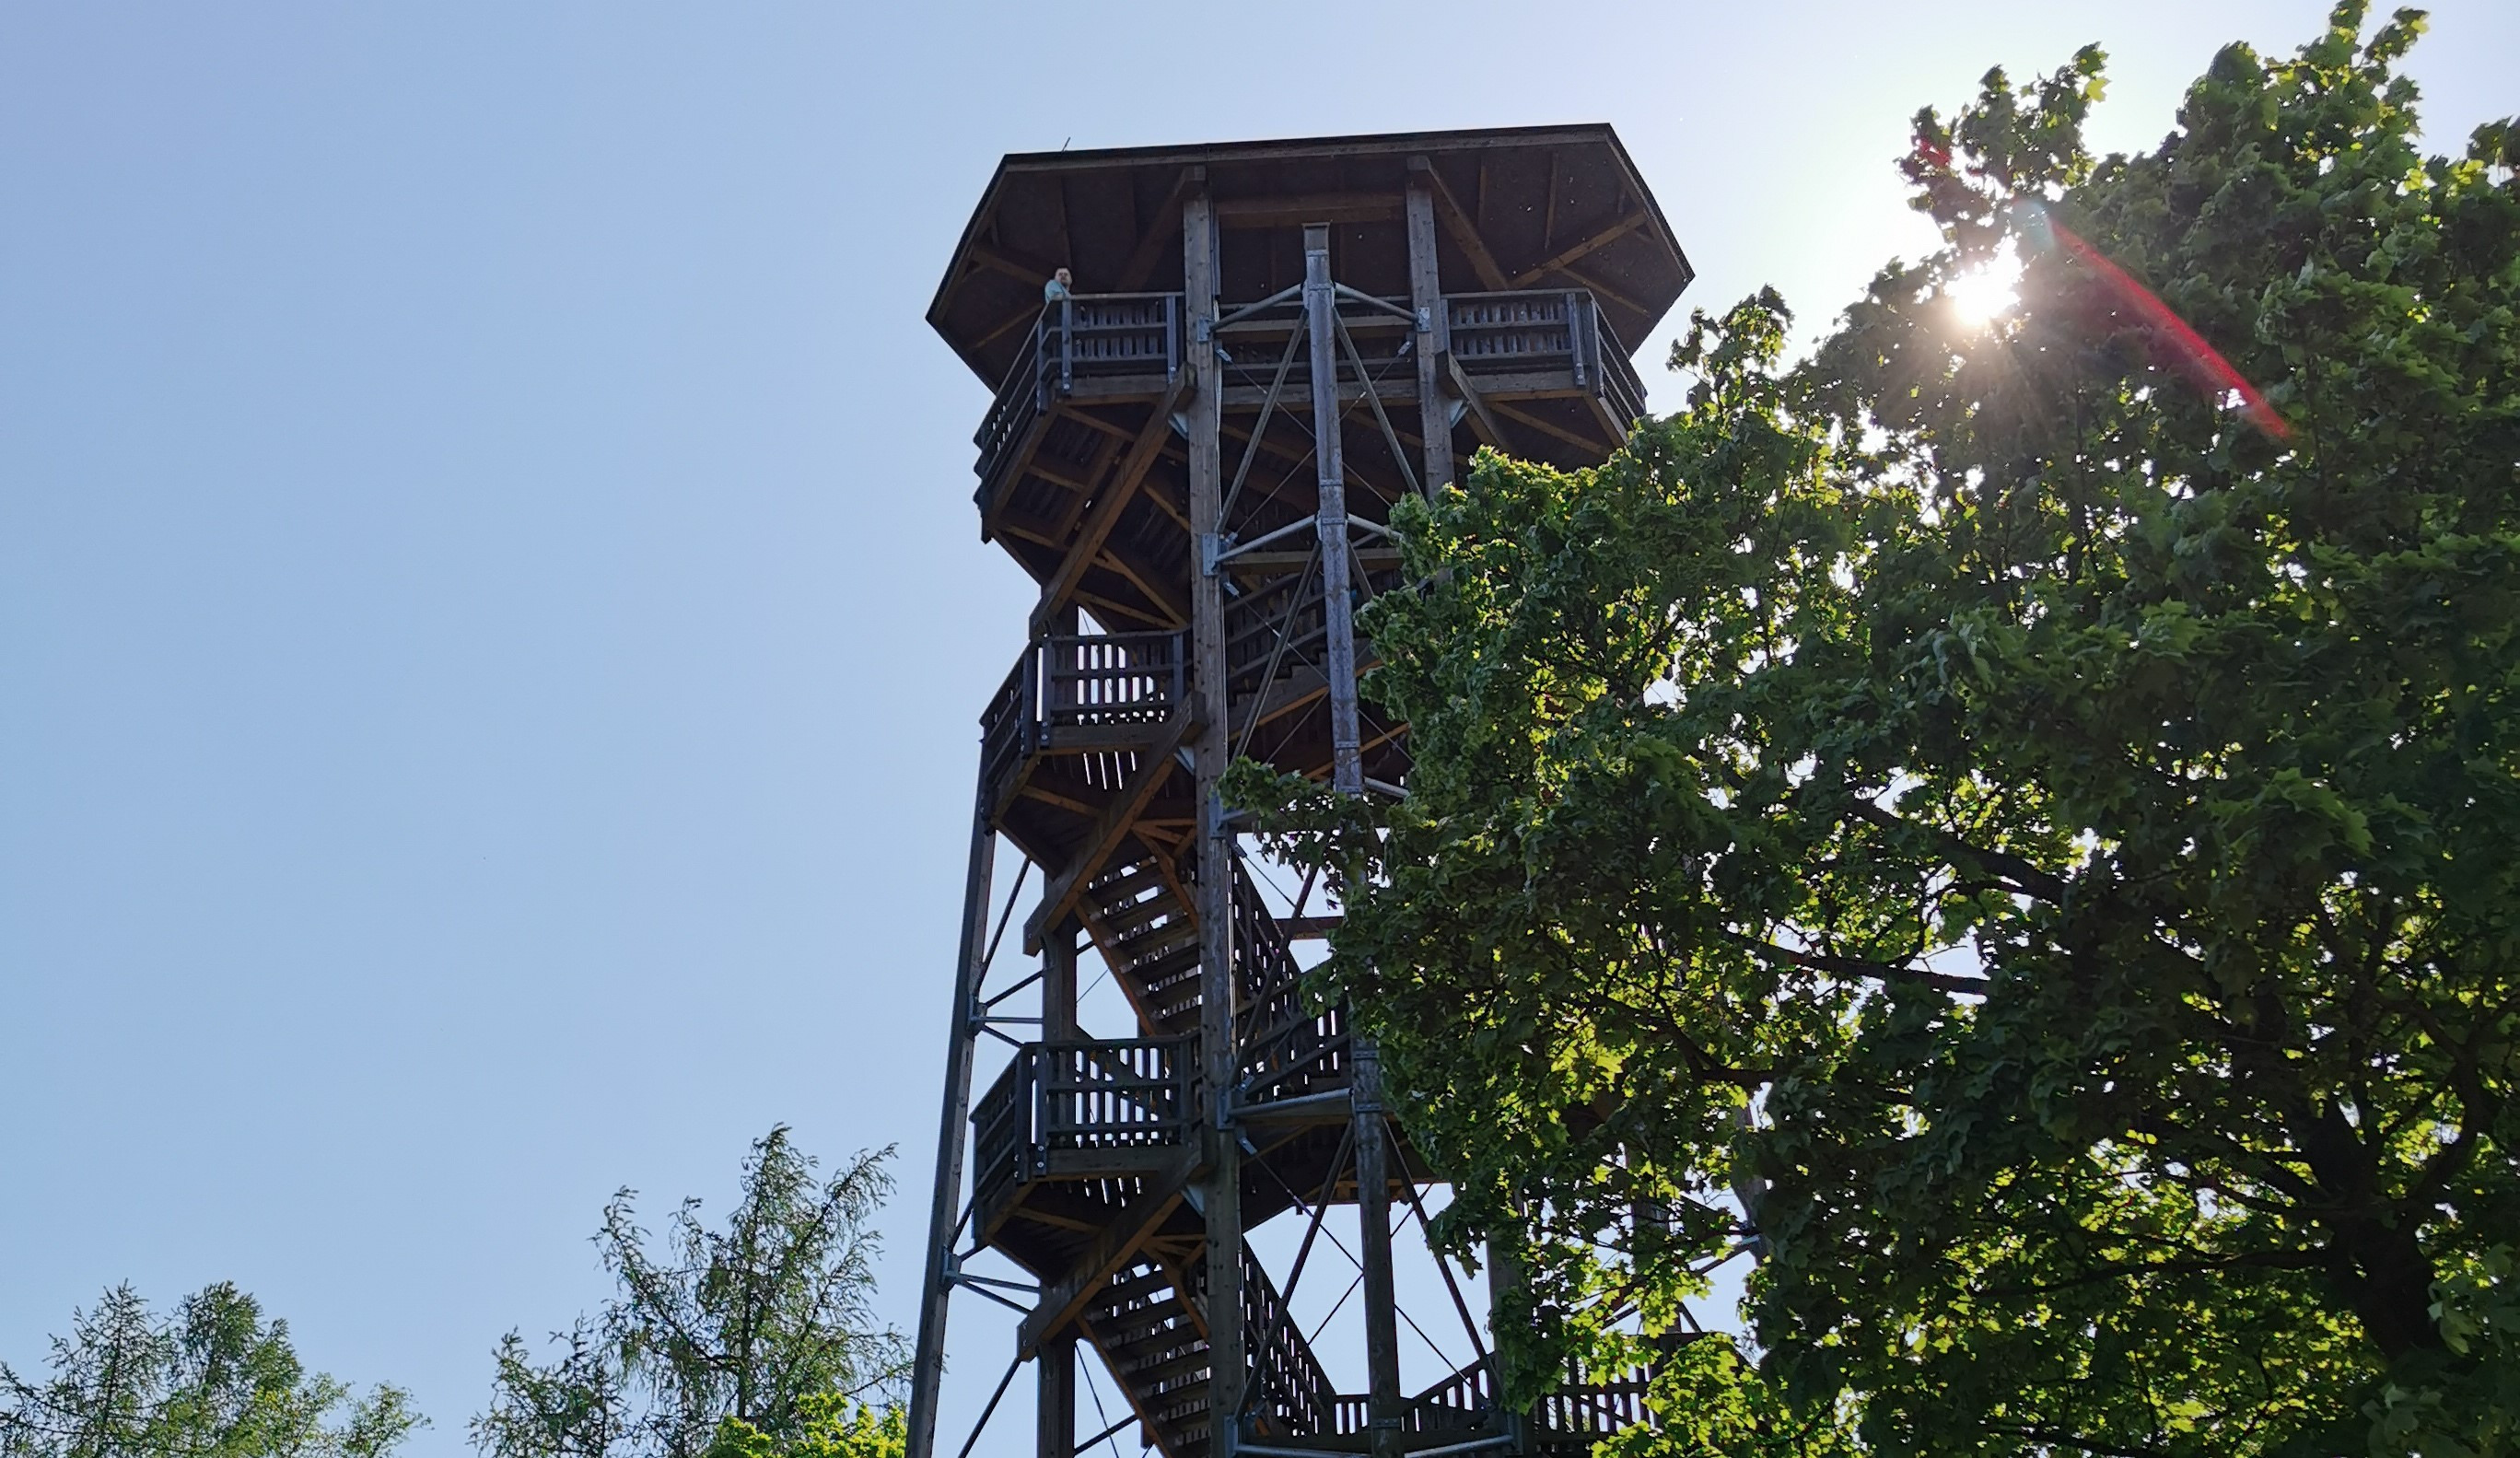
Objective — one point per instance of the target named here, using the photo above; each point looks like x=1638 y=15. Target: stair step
x=1174 y=1369
x=1129 y=1289
x=1160 y=1342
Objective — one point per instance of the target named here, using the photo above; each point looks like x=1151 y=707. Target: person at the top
x=1059 y=287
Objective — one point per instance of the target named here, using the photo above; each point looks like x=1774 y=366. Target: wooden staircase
x=1151 y=1325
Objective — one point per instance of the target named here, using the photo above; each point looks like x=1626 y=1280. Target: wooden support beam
x=1059 y=1022
x=1284 y=211
x=1105 y=515
x=1161 y=595
x=1015 y=265
x=1156 y=762
x=997 y=331
x=1063 y=1300
x=1592 y=283
x=1117 y=615
x=1374 y=1234
x=1436 y=342
x=1557 y=261
x=1481 y=419
x=1029 y=790
x=1221 y=1193
x=1321 y=330
x=1466 y=232
x=1150 y=248
x=1054 y=1413
x=1561 y=433
x=955 y=1120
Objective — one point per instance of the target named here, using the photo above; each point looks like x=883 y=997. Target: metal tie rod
x=1257 y=542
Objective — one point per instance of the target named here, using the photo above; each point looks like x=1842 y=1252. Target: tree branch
x=2019 y=874
x=1860 y=967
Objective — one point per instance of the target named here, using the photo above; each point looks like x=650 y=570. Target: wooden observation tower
x=1195 y=455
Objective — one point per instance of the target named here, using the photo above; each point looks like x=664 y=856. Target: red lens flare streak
x=2203 y=360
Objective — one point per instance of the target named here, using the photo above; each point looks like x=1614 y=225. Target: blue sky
x=491 y=615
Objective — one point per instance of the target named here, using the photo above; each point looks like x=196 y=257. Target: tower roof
x=1516 y=207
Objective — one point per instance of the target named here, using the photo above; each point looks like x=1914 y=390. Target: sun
x=1979 y=296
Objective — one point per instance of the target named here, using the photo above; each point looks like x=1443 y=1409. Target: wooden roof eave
x=1188 y=162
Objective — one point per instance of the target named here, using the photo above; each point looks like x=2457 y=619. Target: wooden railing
x=1079 y=1095
x=1284 y=1047
x=1544 y=332
x=1083 y=337
x=1576 y=1411
x=1295 y=1395
x=1066 y=682
x=1139 y=336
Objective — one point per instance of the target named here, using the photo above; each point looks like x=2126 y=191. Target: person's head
x=1066 y=279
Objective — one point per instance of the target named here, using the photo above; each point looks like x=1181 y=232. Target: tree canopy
x=215 y=1379
x=1977 y=822
x=757 y=1340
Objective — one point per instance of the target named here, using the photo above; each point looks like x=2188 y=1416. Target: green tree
x=213 y=1381
x=758 y=1341
x=1973 y=822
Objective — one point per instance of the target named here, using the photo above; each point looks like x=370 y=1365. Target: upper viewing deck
x=1551 y=260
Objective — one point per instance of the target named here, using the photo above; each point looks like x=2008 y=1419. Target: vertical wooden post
x=1435 y=333
x=1059 y=985
x=1055 y=1425
x=1221 y=1199
x=928 y=1365
x=1374 y=1234
x=1320 y=324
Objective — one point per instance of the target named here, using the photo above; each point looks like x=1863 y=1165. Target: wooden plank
x=1466 y=232
x=1558 y=261
x=1060 y=897
x=1101 y=1164
x=1105 y=515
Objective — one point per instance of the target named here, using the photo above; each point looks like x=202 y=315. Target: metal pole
x=1321 y=323
x=953 y=1125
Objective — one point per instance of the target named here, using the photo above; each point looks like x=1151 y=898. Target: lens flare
x=1985 y=294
